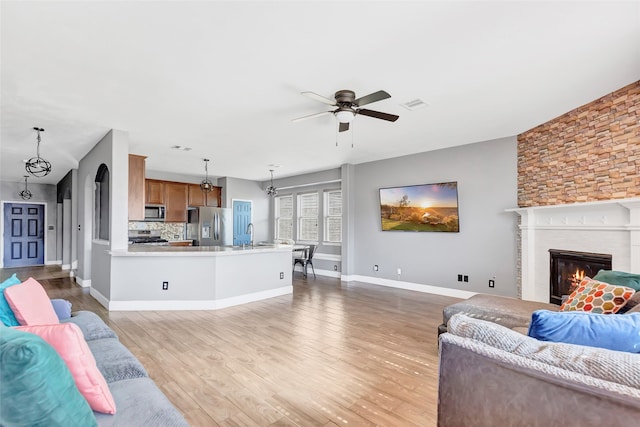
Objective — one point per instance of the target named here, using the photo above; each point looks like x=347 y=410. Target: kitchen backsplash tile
x=168 y=230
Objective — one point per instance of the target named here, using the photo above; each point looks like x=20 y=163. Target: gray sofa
x=491 y=375
x=139 y=402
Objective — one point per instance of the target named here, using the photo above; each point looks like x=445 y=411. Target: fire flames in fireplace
x=568 y=268
x=575 y=279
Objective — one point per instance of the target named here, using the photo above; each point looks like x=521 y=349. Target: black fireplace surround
x=569 y=267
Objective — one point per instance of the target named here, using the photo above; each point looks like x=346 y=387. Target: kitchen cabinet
x=197 y=198
x=175 y=201
x=137 y=191
x=155 y=192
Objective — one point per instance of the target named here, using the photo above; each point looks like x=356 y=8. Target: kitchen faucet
x=250 y=231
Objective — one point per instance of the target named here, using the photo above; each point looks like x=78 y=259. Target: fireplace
x=568 y=268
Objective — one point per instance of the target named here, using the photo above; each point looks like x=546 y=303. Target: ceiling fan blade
x=372 y=97
x=311 y=116
x=343 y=127
x=320 y=98
x=378 y=115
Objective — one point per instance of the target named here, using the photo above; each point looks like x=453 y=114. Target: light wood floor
x=331 y=354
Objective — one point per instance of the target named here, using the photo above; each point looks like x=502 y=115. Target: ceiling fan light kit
x=348 y=106
x=37 y=166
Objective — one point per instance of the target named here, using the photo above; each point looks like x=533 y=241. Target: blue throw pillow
x=619 y=278
x=6 y=314
x=615 y=332
x=37 y=387
x=62 y=307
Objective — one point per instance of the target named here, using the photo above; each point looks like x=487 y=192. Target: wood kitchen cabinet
x=155 y=192
x=175 y=201
x=198 y=198
x=136 y=187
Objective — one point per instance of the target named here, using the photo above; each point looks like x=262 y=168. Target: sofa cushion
x=68 y=341
x=620 y=333
x=62 y=307
x=30 y=303
x=141 y=404
x=37 y=387
x=505 y=311
x=6 y=314
x=597 y=297
x=609 y=365
x=115 y=361
x=619 y=278
x=91 y=325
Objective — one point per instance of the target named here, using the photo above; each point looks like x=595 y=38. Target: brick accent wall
x=590 y=153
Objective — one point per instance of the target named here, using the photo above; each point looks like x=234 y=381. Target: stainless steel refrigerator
x=210 y=226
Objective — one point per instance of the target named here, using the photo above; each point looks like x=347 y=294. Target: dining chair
x=306 y=261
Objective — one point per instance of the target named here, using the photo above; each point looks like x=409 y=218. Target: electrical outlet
x=399 y=271
x=459 y=277
x=165 y=286
x=282 y=274
x=492 y=283
x=375 y=267
x=465 y=278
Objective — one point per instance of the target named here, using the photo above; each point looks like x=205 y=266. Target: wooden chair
x=308 y=260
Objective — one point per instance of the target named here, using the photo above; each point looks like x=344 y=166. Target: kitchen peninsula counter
x=150 y=250
x=146 y=277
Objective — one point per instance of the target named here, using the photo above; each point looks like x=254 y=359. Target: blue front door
x=23 y=235
x=241 y=219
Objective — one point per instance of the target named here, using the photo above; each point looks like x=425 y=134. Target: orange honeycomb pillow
x=597 y=297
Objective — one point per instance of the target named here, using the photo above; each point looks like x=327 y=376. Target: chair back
x=312 y=250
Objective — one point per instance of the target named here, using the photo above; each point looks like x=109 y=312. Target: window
x=308 y=217
x=333 y=216
x=284 y=217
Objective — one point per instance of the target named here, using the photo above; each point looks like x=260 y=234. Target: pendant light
x=271 y=190
x=206 y=185
x=37 y=166
x=25 y=194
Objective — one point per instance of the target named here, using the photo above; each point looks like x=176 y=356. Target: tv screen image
x=426 y=207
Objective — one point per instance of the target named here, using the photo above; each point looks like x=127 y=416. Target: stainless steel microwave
x=153 y=213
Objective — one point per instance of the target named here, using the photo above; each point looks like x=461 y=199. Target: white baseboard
x=327 y=273
x=99 y=297
x=54 y=262
x=448 y=292
x=74 y=265
x=83 y=283
x=195 y=305
x=66 y=266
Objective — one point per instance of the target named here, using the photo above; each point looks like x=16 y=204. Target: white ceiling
x=225 y=77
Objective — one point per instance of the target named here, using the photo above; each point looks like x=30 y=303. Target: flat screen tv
x=426 y=207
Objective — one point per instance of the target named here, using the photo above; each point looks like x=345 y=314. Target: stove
x=146 y=237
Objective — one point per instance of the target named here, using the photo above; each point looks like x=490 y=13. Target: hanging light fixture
x=25 y=194
x=206 y=185
x=37 y=166
x=271 y=190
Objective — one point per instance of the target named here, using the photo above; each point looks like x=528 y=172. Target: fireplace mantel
x=608 y=226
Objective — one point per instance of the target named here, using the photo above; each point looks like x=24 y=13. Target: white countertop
x=148 y=250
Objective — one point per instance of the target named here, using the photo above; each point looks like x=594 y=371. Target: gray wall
x=113 y=151
x=484 y=248
x=41 y=193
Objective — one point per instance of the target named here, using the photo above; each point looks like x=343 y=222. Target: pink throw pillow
x=30 y=303
x=68 y=341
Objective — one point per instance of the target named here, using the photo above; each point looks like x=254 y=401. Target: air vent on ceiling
x=415 y=104
x=181 y=147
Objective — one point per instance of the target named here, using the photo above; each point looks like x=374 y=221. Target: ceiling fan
x=349 y=106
